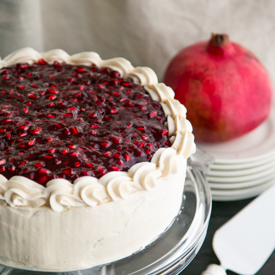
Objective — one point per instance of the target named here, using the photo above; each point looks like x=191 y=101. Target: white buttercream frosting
x=62 y=195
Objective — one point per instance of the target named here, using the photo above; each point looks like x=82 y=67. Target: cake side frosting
x=41 y=239
x=60 y=194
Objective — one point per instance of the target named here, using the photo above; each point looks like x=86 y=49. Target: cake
x=92 y=161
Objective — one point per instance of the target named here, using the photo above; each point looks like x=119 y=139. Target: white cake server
x=245 y=242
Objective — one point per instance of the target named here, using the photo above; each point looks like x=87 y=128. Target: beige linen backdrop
x=147 y=32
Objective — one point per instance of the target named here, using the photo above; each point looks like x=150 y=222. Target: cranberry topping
x=64 y=121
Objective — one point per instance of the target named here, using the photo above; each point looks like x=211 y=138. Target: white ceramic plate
x=254 y=146
x=239 y=185
x=245 y=178
x=242 y=172
x=218 y=195
x=240 y=166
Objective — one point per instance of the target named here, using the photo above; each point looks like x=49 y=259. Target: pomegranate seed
x=68 y=114
x=2 y=162
x=21 y=146
x=4 y=72
x=72 y=146
x=92 y=115
x=74 y=130
x=42 y=179
x=33 y=96
x=6 y=121
x=38 y=164
x=37 y=130
x=21 y=66
x=12 y=168
x=77 y=164
x=51 y=91
x=66 y=131
x=22 y=87
x=164 y=132
x=101 y=170
x=22 y=134
x=114 y=110
x=2 y=169
x=100 y=86
x=74 y=154
x=142 y=107
x=153 y=114
x=117 y=94
x=120 y=162
x=52 y=97
x=117 y=156
x=58 y=125
x=108 y=153
x=126 y=84
x=68 y=171
x=141 y=144
x=42 y=62
x=156 y=105
x=33 y=85
x=44 y=171
x=51 y=115
x=117 y=140
x=105 y=144
x=23 y=163
x=142 y=128
x=80 y=70
x=8 y=136
x=127 y=157
x=115 y=168
x=139 y=152
x=90 y=165
x=25 y=110
x=48 y=156
x=3 y=130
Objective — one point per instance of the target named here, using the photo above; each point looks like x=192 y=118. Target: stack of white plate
x=245 y=167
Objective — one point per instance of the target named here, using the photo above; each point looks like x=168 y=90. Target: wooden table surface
x=222 y=212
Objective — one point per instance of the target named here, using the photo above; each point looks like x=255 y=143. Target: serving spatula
x=245 y=242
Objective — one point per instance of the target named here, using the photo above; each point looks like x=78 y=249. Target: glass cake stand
x=174 y=249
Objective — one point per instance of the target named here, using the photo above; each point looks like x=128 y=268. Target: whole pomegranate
x=225 y=88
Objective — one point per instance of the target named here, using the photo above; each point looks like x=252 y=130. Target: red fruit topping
x=59 y=126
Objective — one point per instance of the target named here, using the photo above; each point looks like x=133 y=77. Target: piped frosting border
x=60 y=194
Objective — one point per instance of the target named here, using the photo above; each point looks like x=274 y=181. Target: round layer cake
x=92 y=160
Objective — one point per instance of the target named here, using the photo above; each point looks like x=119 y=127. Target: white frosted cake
x=92 y=161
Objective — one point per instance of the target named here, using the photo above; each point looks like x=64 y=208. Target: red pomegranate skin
x=225 y=88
